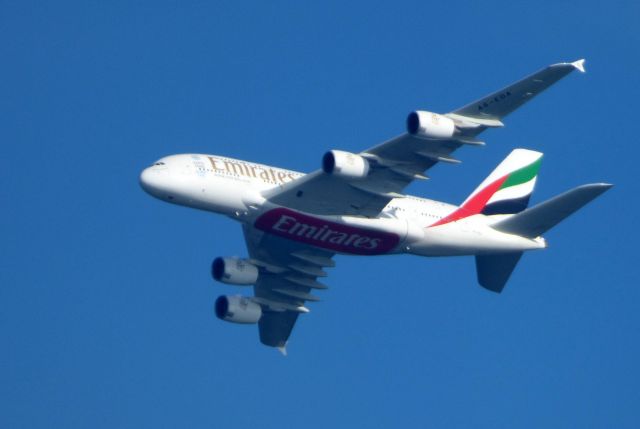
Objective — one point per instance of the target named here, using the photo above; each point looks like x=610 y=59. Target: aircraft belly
x=465 y=238
x=219 y=195
x=340 y=234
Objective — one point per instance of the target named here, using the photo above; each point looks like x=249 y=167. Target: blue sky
x=106 y=303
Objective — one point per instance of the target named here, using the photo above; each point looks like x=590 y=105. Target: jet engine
x=345 y=164
x=431 y=125
x=238 y=309
x=234 y=271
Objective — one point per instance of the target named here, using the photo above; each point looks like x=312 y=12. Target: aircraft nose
x=146 y=179
x=152 y=180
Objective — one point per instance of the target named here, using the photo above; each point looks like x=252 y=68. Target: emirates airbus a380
x=294 y=223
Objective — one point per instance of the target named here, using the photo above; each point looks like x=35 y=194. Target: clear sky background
x=106 y=301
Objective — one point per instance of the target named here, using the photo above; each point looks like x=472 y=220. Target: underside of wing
x=391 y=167
x=288 y=278
x=363 y=184
x=499 y=104
x=324 y=194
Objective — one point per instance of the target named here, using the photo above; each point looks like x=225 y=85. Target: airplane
x=295 y=223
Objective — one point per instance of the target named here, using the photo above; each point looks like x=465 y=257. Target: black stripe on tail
x=511 y=206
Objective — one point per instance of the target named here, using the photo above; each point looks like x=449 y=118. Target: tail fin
x=538 y=219
x=507 y=189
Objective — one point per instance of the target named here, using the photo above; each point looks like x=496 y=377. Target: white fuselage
x=235 y=188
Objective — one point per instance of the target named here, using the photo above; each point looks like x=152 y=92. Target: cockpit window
x=159 y=163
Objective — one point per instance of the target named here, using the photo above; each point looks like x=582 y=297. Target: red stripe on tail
x=474 y=205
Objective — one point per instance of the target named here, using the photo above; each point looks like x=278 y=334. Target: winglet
x=283 y=349
x=579 y=65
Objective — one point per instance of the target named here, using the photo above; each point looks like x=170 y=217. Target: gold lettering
x=281 y=176
x=264 y=175
x=272 y=174
x=234 y=168
x=213 y=161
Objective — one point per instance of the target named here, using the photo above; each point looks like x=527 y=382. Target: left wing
x=395 y=163
x=288 y=275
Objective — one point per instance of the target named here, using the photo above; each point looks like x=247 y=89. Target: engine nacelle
x=429 y=124
x=238 y=309
x=234 y=271
x=345 y=164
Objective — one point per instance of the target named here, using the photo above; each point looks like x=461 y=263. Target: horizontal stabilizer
x=536 y=220
x=494 y=270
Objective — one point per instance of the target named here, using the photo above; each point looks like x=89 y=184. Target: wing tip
x=579 y=65
x=575 y=65
x=283 y=349
x=598 y=188
x=603 y=186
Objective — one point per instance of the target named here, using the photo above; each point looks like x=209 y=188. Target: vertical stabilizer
x=507 y=189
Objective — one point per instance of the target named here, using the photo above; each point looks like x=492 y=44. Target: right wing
x=288 y=275
x=395 y=163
